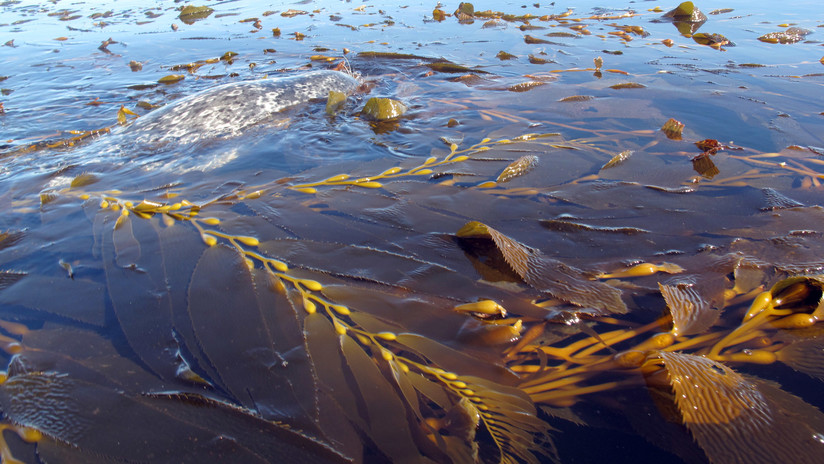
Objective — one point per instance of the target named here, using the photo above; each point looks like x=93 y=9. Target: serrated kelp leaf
x=511 y=419
x=517 y=168
x=776 y=200
x=9 y=278
x=138 y=291
x=385 y=412
x=83 y=180
x=628 y=85
x=617 y=159
x=576 y=98
x=77 y=299
x=691 y=314
x=525 y=86
x=9 y=238
x=564 y=225
x=805 y=356
x=735 y=419
x=549 y=275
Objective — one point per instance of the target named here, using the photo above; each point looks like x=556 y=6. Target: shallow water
x=120 y=310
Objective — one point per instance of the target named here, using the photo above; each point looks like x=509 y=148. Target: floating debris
x=190 y=13
x=673 y=128
x=617 y=159
x=628 y=85
x=686 y=12
x=382 y=109
x=789 y=36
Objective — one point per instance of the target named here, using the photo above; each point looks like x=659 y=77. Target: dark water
x=186 y=348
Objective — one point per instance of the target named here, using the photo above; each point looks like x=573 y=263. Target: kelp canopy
x=484 y=259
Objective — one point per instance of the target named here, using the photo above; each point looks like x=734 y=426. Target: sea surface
x=574 y=97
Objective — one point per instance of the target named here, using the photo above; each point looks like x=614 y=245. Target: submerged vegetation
x=496 y=277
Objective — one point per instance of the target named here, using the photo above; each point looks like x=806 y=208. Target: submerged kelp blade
x=735 y=419
x=169 y=428
x=83 y=354
x=517 y=168
x=138 y=290
x=76 y=299
x=805 y=356
x=691 y=314
x=511 y=419
x=338 y=400
x=386 y=413
x=549 y=275
x=237 y=340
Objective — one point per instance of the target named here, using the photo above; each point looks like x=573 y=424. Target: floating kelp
x=382 y=109
x=355 y=316
x=789 y=36
x=673 y=129
x=627 y=85
x=686 y=12
x=314 y=299
x=617 y=159
x=190 y=13
x=712 y=40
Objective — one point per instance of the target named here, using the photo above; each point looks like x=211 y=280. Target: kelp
x=372 y=315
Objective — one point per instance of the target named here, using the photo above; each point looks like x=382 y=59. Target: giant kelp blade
x=454 y=360
x=291 y=376
x=126 y=247
x=691 y=313
x=75 y=299
x=153 y=428
x=235 y=338
x=9 y=278
x=339 y=413
x=270 y=440
x=9 y=238
x=547 y=274
x=181 y=247
x=368 y=262
x=805 y=356
x=83 y=354
x=511 y=419
x=386 y=413
x=736 y=419
x=138 y=290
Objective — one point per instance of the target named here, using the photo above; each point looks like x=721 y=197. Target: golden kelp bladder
x=391 y=316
